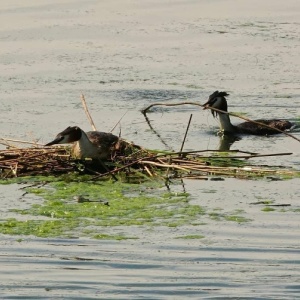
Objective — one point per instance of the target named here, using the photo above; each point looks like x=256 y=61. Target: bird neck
x=225 y=123
x=84 y=148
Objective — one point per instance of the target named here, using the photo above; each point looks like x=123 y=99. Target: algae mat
x=78 y=209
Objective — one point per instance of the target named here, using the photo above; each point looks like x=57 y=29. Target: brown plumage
x=218 y=100
x=92 y=144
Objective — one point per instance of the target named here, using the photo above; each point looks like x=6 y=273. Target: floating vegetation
x=268 y=209
x=236 y=218
x=232 y=216
x=107 y=205
x=138 y=165
x=191 y=237
x=112 y=237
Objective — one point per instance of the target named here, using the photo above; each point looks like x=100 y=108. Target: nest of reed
x=45 y=161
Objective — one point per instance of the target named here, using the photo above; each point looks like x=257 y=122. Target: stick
x=144 y=111
x=234 y=151
x=243 y=156
x=106 y=169
x=19 y=141
x=118 y=121
x=250 y=156
x=165 y=165
x=87 y=112
x=148 y=171
x=187 y=129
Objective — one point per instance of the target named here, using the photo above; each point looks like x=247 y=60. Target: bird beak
x=56 y=141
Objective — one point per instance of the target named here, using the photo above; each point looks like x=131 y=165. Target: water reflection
x=156 y=132
x=226 y=141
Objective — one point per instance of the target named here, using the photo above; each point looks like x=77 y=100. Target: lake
x=124 y=56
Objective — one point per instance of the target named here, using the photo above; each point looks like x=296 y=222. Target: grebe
x=92 y=144
x=218 y=100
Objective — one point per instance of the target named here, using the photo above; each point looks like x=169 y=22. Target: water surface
x=125 y=55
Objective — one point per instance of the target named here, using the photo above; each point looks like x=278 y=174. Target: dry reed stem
x=87 y=112
x=118 y=122
x=21 y=142
x=144 y=111
x=148 y=171
x=165 y=165
x=186 y=131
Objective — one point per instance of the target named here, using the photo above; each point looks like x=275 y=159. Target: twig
x=234 y=151
x=5 y=140
x=165 y=165
x=148 y=171
x=119 y=121
x=87 y=112
x=145 y=110
x=106 y=169
x=251 y=156
x=168 y=171
x=196 y=176
x=266 y=204
x=187 y=129
x=241 y=156
x=279 y=205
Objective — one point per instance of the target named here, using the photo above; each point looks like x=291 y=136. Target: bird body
x=217 y=100
x=92 y=144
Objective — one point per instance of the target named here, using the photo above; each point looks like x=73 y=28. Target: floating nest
x=45 y=161
x=134 y=161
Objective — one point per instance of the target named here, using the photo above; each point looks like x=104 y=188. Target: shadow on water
x=226 y=141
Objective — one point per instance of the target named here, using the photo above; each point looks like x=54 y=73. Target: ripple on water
x=62 y=268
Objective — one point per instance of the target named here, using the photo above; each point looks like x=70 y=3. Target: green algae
x=268 y=209
x=234 y=216
x=112 y=237
x=47 y=228
x=237 y=218
x=107 y=204
x=191 y=237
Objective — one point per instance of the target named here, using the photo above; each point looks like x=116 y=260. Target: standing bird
x=92 y=144
x=218 y=100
